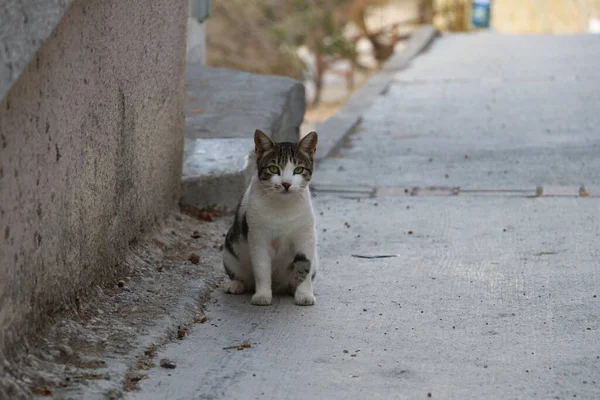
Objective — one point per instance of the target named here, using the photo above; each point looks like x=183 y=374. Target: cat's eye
x=298 y=170
x=273 y=169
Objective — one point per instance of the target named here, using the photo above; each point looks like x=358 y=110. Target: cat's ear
x=262 y=142
x=308 y=143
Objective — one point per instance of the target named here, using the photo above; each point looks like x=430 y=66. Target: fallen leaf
x=132 y=380
x=205 y=214
x=151 y=350
x=194 y=258
x=196 y=111
x=238 y=346
x=201 y=319
x=181 y=332
x=91 y=376
x=41 y=391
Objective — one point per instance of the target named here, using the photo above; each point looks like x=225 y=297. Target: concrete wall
x=24 y=25
x=91 y=142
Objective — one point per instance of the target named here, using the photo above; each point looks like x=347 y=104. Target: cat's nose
x=286 y=186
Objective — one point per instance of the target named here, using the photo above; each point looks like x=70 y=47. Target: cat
x=271 y=246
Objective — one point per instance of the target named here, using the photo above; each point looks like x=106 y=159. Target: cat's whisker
x=302 y=194
x=267 y=193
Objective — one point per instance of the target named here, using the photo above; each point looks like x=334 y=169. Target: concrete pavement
x=495 y=293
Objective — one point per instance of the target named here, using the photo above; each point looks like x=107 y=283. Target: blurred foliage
x=243 y=35
x=452 y=15
x=262 y=36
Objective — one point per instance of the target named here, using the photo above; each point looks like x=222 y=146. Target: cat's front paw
x=235 y=287
x=305 y=299
x=262 y=299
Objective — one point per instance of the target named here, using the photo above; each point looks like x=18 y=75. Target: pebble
x=166 y=363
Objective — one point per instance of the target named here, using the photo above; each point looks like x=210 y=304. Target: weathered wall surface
x=24 y=25
x=91 y=141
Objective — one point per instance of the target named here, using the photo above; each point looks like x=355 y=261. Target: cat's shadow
x=240 y=304
x=236 y=313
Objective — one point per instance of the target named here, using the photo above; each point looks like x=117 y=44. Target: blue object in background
x=481 y=13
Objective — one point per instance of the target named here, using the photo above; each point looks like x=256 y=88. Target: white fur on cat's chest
x=280 y=249
x=280 y=241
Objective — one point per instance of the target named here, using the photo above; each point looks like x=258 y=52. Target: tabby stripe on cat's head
x=279 y=156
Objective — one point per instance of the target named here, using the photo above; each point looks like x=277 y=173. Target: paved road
x=495 y=295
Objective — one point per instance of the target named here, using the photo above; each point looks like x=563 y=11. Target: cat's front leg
x=304 y=269
x=261 y=265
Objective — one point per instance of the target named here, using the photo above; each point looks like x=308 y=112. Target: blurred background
x=334 y=45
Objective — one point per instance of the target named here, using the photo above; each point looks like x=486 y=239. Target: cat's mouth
x=287 y=191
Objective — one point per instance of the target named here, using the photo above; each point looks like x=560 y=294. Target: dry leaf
x=181 y=332
x=41 y=391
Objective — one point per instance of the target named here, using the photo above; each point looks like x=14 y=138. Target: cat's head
x=284 y=167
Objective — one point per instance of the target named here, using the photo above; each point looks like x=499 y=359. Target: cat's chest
x=279 y=247
x=280 y=222
x=280 y=238
x=282 y=248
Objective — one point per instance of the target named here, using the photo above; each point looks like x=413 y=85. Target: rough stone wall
x=91 y=144
x=24 y=25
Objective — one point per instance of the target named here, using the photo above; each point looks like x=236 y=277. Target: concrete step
x=223 y=110
x=222 y=103
x=216 y=171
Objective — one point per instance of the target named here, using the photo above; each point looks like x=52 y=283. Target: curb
x=349 y=117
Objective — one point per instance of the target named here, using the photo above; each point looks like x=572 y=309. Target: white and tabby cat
x=271 y=246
